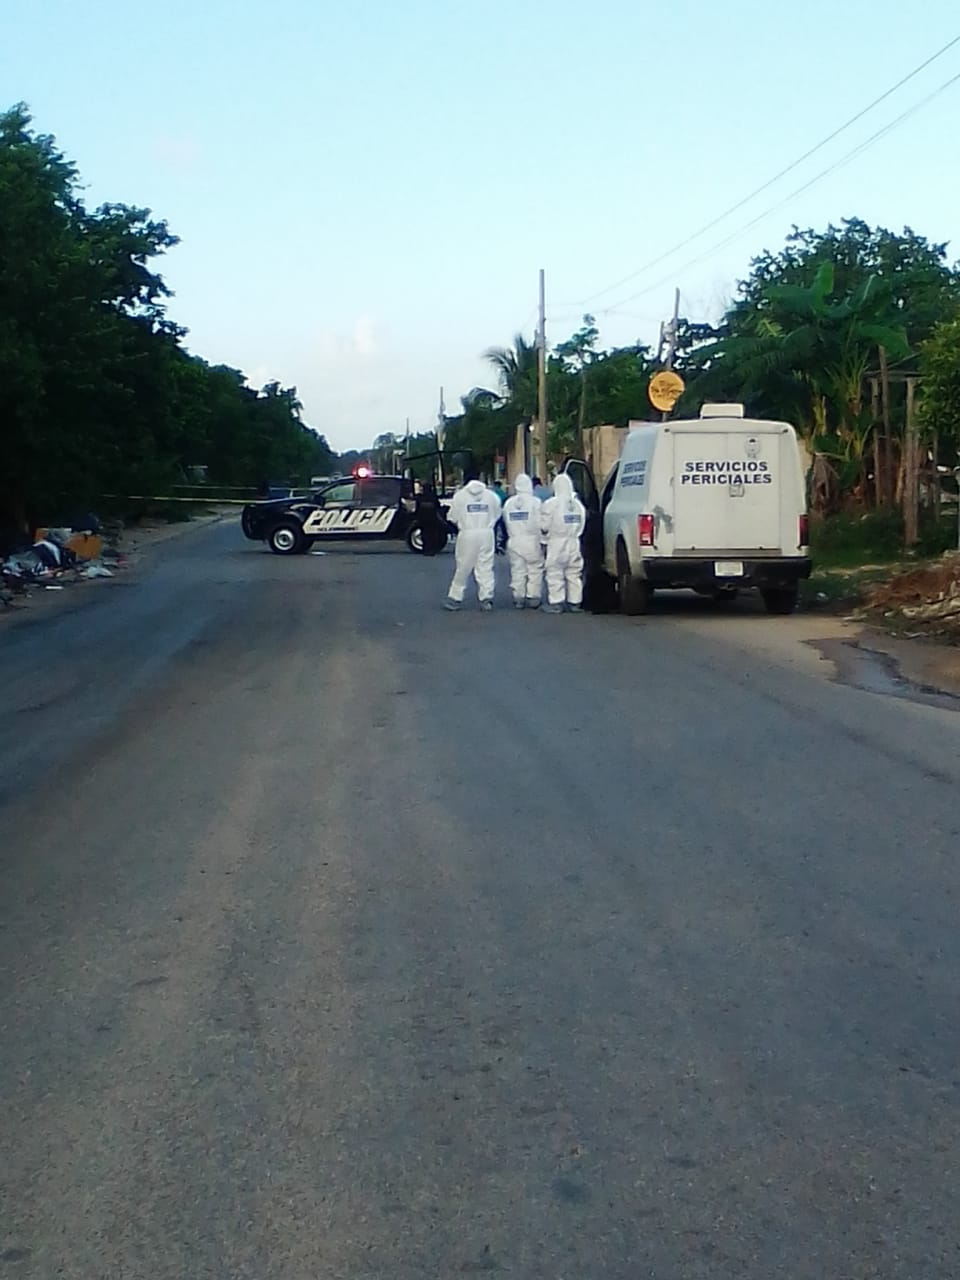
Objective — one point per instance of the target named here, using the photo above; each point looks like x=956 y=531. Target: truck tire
x=780 y=600
x=633 y=594
x=286 y=538
x=415 y=539
x=600 y=592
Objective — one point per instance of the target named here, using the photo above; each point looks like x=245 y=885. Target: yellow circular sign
x=665 y=389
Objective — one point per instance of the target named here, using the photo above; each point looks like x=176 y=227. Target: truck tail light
x=645 y=530
x=803 y=539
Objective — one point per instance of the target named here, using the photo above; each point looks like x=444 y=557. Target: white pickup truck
x=714 y=503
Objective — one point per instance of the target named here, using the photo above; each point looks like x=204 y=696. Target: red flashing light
x=645 y=530
x=362 y=472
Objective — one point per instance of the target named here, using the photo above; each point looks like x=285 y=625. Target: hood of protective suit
x=563 y=487
x=523 y=484
x=475 y=488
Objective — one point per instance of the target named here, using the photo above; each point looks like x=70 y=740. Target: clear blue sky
x=365 y=192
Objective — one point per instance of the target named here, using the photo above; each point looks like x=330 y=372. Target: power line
x=838 y=164
x=682 y=244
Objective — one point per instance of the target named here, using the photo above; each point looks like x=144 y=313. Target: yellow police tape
x=207 y=502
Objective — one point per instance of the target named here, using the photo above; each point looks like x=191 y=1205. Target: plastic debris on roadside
x=60 y=555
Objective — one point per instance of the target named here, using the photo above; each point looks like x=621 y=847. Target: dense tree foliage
x=97 y=392
x=825 y=334
x=940 y=374
x=815 y=325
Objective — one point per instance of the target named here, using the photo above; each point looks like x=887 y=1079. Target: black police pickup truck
x=361 y=508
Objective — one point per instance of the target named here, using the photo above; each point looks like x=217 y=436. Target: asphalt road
x=344 y=938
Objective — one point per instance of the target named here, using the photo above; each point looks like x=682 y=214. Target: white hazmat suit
x=562 y=518
x=521 y=516
x=475 y=510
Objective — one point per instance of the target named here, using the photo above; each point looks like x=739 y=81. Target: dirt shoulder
x=908 y=612
x=140 y=537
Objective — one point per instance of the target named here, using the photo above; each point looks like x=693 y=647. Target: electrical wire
x=682 y=244
x=824 y=173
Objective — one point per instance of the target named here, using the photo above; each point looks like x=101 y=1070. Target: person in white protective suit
x=562 y=518
x=521 y=515
x=474 y=510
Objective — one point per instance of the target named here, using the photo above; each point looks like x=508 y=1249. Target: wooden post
x=911 y=460
x=878 y=486
x=888 y=496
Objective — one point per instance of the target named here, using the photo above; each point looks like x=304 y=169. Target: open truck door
x=599 y=589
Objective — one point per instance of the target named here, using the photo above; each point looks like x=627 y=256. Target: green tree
x=821 y=344
x=82 y=333
x=922 y=288
x=485 y=427
x=97 y=394
x=939 y=368
x=575 y=357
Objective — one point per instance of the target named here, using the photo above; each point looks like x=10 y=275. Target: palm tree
x=516 y=368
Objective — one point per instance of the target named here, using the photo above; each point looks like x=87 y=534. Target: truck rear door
x=727 y=491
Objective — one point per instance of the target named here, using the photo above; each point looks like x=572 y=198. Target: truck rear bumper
x=718 y=572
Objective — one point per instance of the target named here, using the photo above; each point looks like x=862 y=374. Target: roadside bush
x=874 y=537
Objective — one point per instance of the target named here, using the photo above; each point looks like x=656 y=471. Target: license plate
x=728 y=568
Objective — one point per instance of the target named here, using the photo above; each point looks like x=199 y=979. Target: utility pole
x=440 y=437
x=542 y=386
x=671 y=332
x=441 y=421
x=668 y=336
x=911 y=467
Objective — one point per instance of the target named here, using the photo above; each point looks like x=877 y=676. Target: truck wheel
x=286 y=538
x=633 y=593
x=415 y=539
x=780 y=600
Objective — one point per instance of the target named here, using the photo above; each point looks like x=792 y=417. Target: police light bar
x=362 y=472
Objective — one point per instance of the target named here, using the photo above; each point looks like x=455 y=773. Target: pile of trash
x=929 y=595
x=59 y=557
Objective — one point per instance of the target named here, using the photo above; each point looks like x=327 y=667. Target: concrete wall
x=601 y=447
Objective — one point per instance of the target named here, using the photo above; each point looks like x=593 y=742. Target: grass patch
x=876 y=538
x=843 y=588
x=850 y=541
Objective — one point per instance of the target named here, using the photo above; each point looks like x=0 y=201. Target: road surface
x=344 y=938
